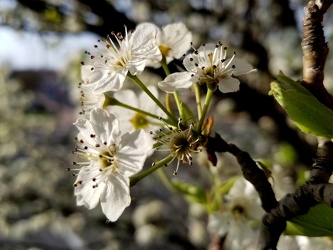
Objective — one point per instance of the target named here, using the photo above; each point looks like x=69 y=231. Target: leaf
x=226 y=185
x=305 y=110
x=193 y=193
x=317 y=222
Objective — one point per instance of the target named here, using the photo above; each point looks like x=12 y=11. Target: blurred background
x=41 y=47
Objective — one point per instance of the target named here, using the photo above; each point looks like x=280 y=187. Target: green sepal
x=305 y=110
x=188 y=115
x=192 y=192
x=317 y=222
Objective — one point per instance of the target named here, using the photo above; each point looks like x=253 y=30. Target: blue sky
x=29 y=50
x=25 y=50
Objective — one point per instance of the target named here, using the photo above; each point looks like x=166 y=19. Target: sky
x=26 y=50
x=22 y=50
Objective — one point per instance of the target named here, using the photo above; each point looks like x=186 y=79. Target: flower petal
x=85 y=193
x=143 y=34
x=133 y=150
x=115 y=197
x=241 y=66
x=177 y=37
x=109 y=81
x=105 y=125
x=228 y=84
x=171 y=83
x=144 y=47
x=218 y=223
x=146 y=102
x=86 y=72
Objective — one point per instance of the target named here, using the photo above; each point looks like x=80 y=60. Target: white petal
x=143 y=41
x=106 y=125
x=178 y=38
x=86 y=72
x=102 y=124
x=228 y=84
x=207 y=48
x=143 y=34
x=128 y=97
x=146 y=103
x=124 y=116
x=132 y=153
x=116 y=197
x=218 y=223
x=240 y=234
x=190 y=61
x=241 y=66
x=136 y=67
x=110 y=82
x=96 y=75
x=85 y=193
x=171 y=83
x=86 y=129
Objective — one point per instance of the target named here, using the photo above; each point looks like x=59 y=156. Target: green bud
x=305 y=110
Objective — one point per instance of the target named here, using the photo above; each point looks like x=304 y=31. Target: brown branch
x=314 y=191
x=315 y=50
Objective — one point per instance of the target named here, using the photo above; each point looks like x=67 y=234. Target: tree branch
x=315 y=50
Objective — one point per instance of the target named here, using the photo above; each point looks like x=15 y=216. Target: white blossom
x=318 y=243
x=241 y=206
x=174 y=40
x=89 y=100
x=128 y=54
x=208 y=65
x=131 y=120
x=105 y=162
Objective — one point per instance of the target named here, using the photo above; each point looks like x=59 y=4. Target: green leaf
x=193 y=193
x=305 y=110
x=316 y=223
x=226 y=185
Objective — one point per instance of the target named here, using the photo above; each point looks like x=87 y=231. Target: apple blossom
x=107 y=159
x=173 y=40
x=208 y=65
x=131 y=120
x=111 y=63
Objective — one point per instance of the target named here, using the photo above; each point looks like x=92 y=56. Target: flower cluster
x=117 y=125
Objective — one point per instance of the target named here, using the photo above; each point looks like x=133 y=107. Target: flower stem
x=145 y=89
x=198 y=99
x=115 y=102
x=179 y=105
x=136 y=178
x=165 y=179
x=209 y=96
x=165 y=66
x=175 y=94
